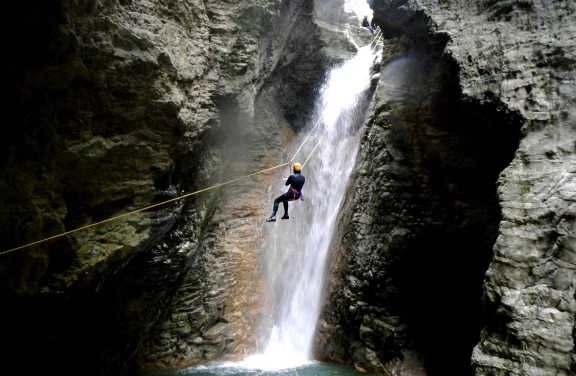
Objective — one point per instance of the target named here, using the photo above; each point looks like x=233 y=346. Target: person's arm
x=289 y=180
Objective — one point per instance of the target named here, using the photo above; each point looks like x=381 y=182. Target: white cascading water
x=297 y=250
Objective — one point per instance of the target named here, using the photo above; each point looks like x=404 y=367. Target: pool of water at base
x=232 y=369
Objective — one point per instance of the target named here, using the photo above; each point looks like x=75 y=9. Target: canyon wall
x=455 y=247
x=456 y=243
x=113 y=106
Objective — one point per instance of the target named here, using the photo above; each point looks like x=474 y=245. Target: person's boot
x=285 y=216
x=271 y=219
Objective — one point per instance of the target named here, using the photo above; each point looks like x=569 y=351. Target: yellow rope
x=306 y=139
x=313 y=150
x=378 y=35
x=143 y=209
x=376 y=39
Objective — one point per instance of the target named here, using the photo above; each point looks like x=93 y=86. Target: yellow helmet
x=297 y=167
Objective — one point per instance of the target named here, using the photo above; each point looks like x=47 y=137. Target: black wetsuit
x=368 y=25
x=296 y=183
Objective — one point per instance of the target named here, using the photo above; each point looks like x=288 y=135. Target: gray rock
x=456 y=79
x=122 y=102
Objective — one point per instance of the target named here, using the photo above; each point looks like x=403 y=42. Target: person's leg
x=284 y=197
x=290 y=196
x=276 y=202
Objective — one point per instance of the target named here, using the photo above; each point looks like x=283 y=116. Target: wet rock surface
x=464 y=180
x=215 y=312
x=114 y=106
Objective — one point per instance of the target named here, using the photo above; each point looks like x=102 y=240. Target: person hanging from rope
x=368 y=25
x=296 y=182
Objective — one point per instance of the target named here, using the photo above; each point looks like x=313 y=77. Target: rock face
x=112 y=106
x=462 y=196
x=217 y=309
x=456 y=235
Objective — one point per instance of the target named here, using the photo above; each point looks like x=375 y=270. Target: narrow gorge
x=449 y=250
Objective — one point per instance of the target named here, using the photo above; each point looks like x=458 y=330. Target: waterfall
x=296 y=254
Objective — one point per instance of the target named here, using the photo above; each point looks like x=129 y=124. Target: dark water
x=229 y=369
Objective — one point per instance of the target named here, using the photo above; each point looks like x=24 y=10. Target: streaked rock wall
x=113 y=106
x=456 y=233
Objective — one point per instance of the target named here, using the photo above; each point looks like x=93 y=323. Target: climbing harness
x=295 y=194
x=183 y=196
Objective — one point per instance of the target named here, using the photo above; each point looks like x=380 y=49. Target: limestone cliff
x=456 y=242
x=112 y=106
